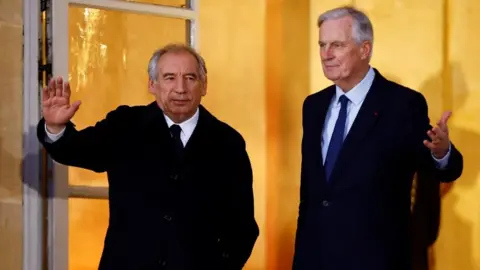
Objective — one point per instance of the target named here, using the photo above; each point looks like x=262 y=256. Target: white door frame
x=32 y=196
x=60 y=190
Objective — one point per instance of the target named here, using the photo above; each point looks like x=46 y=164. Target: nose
x=326 y=53
x=180 y=86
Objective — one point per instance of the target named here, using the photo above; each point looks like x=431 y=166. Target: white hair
x=362 y=29
x=153 y=63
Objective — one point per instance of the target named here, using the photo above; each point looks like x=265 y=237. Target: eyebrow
x=333 y=41
x=186 y=74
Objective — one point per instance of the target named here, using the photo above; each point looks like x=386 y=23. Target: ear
x=151 y=86
x=204 y=87
x=365 y=49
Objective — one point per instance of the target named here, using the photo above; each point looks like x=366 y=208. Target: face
x=341 y=56
x=178 y=88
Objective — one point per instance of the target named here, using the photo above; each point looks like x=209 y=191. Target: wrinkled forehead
x=336 y=30
x=178 y=62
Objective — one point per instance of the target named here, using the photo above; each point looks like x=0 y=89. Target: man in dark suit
x=363 y=140
x=180 y=180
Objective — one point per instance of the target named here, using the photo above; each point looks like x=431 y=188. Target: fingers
x=438 y=143
x=445 y=117
x=56 y=88
x=59 y=87
x=433 y=136
x=437 y=134
x=66 y=90
x=442 y=123
x=74 y=108
x=51 y=88
x=433 y=132
x=429 y=144
x=45 y=94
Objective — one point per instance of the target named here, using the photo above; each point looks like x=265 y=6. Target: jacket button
x=167 y=218
x=325 y=203
x=225 y=255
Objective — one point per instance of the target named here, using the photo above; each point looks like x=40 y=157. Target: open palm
x=56 y=107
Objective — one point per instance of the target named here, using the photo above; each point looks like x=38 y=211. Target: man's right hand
x=56 y=108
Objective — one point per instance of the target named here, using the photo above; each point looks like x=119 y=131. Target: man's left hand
x=440 y=141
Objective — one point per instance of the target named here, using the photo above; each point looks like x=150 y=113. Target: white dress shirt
x=187 y=128
x=356 y=97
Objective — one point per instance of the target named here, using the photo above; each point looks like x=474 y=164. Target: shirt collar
x=358 y=93
x=187 y=126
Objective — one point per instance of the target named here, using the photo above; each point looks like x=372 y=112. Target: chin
x=331 y=74
x=181 y=111
x=332 y=77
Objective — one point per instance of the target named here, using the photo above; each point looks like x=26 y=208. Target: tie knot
x=175 y=131
x=343 y=100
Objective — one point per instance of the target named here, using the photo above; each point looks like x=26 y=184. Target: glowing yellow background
x=262 y=54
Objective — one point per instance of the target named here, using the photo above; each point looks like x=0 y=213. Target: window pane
x=172 y=3
x=87 y=226
x=108 y=57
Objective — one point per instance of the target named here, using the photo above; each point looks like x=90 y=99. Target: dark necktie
x=177 y=142
x=338 y=135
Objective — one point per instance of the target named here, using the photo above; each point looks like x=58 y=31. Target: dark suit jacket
x=199 y=217
x=360 y=218
x=425 y=218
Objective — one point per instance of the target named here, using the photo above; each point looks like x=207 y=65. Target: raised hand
x=56 y=108
x=440 y=141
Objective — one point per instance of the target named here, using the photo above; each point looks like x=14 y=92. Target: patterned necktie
x=177 y=142
x=338 y=135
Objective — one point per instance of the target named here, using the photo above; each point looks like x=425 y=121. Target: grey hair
x=153 y=62
x=362 y=27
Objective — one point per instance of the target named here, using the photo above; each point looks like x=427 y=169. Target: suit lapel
x=157 y=135
x=201 y=129
x=320 y=114
x=156 y=141
x=365 y=121
x=156 y=128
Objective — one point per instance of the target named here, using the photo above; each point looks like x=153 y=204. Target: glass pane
x=171 y=3
x=87 y=226
x=108 y=58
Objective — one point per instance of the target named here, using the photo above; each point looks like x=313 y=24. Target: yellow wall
x=232 y=41
x=258 y=64
x=459 y=244
x=11 y=137
x=287 y=84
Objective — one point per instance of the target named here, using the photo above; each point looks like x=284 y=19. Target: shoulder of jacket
x=228 y=132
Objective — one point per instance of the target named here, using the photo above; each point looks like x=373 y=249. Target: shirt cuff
x=51 y=138
x=443 y=162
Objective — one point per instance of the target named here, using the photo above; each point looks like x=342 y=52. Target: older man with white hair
x=180 y=180
x=364 y=138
